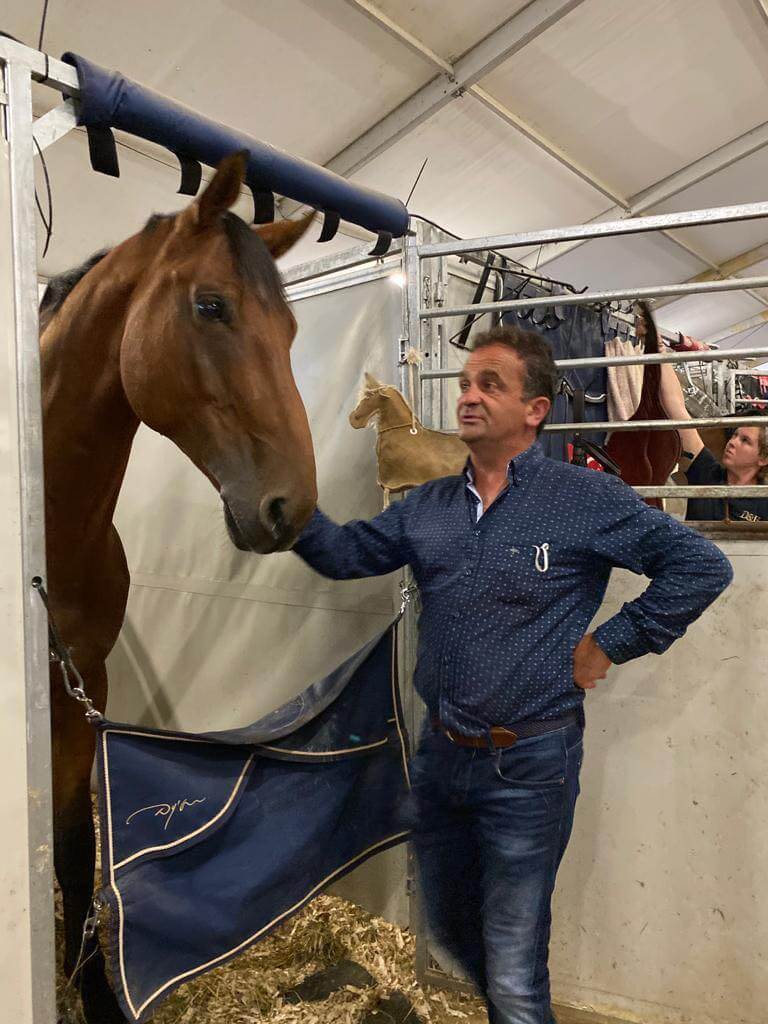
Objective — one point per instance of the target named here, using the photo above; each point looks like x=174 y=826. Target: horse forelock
x=252 y=259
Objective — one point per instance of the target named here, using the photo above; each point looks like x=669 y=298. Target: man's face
x=491 y=406
x=742 y=452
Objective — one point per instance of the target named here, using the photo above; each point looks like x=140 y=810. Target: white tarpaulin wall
x=215 y=637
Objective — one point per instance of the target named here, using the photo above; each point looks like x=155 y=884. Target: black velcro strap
x=103 y=151
x=263 y=204
x=382 y=245
x=331 y=221
x=191 y=175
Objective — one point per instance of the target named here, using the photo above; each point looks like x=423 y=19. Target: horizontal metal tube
x=612 y=425
x=730 y=284
x=336 y=262
x=705 y=491
x=604 y=229
x=641 y=360
x=628 y=425
x=325 y=285
x=44 y=69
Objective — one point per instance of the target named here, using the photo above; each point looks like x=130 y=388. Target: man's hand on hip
x=590 y=663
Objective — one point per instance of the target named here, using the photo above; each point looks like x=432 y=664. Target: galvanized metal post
x=27 y=987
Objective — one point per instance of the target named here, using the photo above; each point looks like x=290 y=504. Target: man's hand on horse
x=590 y=663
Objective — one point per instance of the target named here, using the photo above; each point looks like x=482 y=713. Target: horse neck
x=88 y=424
x=394 y=411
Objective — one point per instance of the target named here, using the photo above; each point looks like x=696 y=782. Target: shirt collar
x=519 y=469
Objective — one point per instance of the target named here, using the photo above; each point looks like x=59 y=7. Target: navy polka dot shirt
x=506 y=598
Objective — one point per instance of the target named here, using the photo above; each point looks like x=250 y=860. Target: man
x=512 y=559
x=745 y=461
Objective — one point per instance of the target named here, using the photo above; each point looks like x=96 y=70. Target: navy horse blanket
x=211 y=840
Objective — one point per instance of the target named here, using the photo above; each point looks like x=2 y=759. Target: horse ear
x=220 y=193
x=370 y=381
x=281 y=235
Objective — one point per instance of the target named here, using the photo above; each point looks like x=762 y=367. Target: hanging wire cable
x=42 y=26
x=47 y=221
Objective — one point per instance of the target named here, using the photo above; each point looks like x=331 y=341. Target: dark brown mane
x=59 y=287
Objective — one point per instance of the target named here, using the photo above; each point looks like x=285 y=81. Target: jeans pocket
x=537 y=763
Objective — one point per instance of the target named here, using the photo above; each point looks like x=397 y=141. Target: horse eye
x=212 y=308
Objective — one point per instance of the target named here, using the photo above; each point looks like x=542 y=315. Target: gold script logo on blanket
x=165 y=811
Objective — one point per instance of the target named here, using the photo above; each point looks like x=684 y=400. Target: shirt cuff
x=619 y=639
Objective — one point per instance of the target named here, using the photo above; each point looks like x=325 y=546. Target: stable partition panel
x=15 y=944
x=660 y=913
x=215 y=637
x=26 y=882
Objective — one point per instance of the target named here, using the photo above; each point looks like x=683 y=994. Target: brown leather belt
x=500 y=736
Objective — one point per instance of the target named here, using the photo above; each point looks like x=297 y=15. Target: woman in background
x=745 y=461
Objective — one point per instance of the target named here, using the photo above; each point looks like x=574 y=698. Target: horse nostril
x=273 y=516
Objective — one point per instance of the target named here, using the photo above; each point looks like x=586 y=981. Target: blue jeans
x=490 y=831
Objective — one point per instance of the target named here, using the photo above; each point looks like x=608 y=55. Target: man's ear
x=281 y=235
x=538 y=409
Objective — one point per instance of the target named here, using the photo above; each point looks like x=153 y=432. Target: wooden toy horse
x=408 y=453
x=184 y=327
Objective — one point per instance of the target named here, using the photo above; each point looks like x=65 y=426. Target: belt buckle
x=508 y=732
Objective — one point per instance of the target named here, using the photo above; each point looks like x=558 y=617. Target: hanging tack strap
x=331 y=221
x=103 y=151
x=263 y=203
x=59 y=652
x=382 y=244
x=191 y=175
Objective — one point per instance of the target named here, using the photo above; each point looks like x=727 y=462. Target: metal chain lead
x=59 y=653
x=406 y=592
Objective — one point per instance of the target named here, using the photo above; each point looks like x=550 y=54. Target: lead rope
x=59 y=653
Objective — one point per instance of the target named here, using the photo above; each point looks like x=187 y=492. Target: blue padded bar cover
x=109 y=100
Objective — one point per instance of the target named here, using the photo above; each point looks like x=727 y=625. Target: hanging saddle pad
x=211 y=840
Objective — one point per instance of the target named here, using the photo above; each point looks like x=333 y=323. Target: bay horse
x=407 y=452
x=184 y=327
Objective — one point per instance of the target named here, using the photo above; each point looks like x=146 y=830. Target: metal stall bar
x=710 y=421
x=708 y=356
x=704 y=491
x=604 y=229
x=27 y=964
x=587 y=298
x=335 y=263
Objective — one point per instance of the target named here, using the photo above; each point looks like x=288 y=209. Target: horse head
x=369 y=404
x=205 y=360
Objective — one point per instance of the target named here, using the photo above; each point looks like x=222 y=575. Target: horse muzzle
x=272 y=524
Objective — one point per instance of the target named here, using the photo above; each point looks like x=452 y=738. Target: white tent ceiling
x=625 y=95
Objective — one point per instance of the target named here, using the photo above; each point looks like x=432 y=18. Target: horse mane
x=59 y=287
x=252 y=259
